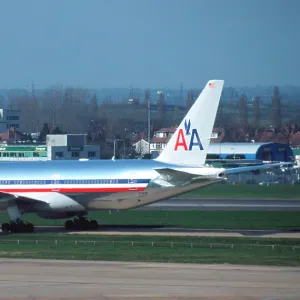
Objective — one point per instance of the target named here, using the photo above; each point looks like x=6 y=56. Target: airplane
x=64 y=189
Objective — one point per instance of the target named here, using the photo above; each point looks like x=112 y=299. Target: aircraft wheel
x=94 y=225
x=85 y=224
x=29 y=227
x=69 y=225
x=5 y=227
x=16 y=227
x=77 y=224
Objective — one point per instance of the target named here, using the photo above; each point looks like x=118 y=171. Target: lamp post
x=115 y=142
x=149 y=124
x=233 y=153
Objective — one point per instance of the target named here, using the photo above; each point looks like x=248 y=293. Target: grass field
x=163 y=249
x=223 y=191
x=284 y=220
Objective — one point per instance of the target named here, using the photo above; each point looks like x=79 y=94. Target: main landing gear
x=17 y=227
x=81 y=223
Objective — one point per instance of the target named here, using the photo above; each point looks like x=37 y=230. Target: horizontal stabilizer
x=174 y=177
x=171 y=177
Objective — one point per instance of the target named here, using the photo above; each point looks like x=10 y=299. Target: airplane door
x=55 y=187
x=132 y=182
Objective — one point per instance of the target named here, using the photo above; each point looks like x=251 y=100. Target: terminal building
x=70 y=146
x=23 y=152
x=60 y=146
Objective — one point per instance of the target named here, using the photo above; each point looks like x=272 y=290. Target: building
x=10 y=136
x=61 y=146
x=141 y=147
x=23 y=152
x=9 y=118
x=217 y=135
x=160 y=139
x=296 y=152
x=70 y=146
x=250 y=151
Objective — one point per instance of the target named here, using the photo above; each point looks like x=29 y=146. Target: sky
x=149 y=43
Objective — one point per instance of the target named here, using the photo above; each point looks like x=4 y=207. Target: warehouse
x=250 y=151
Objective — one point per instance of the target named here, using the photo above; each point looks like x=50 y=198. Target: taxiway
x=224 y=204
x=48 y=279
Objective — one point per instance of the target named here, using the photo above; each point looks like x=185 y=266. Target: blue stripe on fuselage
x=75 y=181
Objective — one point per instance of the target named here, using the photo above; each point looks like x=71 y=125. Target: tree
x=189 y=100
x=45 y=130
x=220 y=121
x=161 y=112
x=276 y=109
x=56 y=130
x=94 y=104
x=256 y=111
x=243 y=108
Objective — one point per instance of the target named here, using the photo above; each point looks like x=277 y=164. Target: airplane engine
x=51 y=205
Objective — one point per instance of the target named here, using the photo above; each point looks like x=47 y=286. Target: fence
x=150 y=244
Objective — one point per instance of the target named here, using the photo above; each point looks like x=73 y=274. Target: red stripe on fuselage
x=74 y=190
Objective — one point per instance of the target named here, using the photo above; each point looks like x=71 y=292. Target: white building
x=160 y=139
x=9 y=118
x=70 y=146
x=141 y=147
x=297 y=158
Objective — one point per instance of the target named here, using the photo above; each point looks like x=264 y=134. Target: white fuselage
x=99 y=184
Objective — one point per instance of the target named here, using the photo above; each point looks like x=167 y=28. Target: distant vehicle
x=65 y=189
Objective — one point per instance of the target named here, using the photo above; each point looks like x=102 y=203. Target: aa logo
x=181 y=140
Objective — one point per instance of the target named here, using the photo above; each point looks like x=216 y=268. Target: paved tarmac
x=224 y=204
x=48 y=279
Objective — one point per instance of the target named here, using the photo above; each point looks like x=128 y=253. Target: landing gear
x=81 y=223
x=17 y=227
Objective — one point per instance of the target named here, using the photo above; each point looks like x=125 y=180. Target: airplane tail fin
x=189 y=144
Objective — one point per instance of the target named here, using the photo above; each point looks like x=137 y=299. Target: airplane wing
x=256 y=168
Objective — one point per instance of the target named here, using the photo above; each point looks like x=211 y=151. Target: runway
x=48 y=279
x=224 y=204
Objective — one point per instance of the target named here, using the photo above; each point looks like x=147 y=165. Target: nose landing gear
x=18 y=226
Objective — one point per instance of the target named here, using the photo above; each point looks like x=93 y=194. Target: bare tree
x=256 y=111
x=243 y=108
x=276 y=109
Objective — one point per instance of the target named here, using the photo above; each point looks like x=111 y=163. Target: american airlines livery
x=64 y=189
